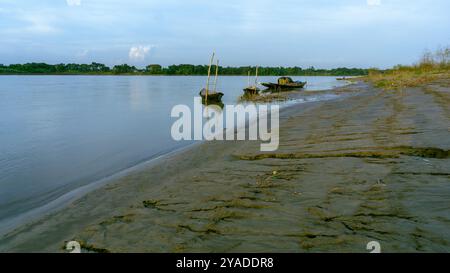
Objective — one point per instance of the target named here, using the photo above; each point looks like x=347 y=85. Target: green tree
x=123 y=69
x=154 y=69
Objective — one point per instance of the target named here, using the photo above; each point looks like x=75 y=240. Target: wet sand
x=372 y=166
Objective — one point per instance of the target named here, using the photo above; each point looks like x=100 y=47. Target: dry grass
x=399 y=79
x=431 y=67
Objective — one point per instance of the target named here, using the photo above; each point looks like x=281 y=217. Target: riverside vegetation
x=181 y=69
x=432 y=66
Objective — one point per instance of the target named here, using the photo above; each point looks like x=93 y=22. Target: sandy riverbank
x=373 y=166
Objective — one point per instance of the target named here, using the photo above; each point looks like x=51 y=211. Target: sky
x=319 y=33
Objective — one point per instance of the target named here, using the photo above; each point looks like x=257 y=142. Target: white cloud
x=373 y=2
x=138 y=53
x=72 y=3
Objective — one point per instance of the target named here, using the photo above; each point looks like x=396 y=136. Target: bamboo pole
x=209 y=75
x=248 y=84
x=217 y=74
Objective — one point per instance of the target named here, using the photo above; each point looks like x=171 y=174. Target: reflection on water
x=58 y=133
x=139 y=98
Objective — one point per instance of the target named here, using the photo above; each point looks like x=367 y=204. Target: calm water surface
x=58 y=133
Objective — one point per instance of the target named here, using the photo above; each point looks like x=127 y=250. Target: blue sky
x=320 y=33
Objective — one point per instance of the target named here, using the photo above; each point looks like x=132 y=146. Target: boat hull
x=212 y=96
x=284 y=87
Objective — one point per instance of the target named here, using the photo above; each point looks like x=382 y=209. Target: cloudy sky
x=361 y=33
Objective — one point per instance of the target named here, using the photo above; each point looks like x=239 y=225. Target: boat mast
x=209 y=75
x=217 y=74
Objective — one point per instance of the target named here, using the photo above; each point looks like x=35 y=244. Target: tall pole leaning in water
x=207 y=81
x=217 y=74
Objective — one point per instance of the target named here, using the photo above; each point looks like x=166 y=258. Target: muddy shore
x=374 y=165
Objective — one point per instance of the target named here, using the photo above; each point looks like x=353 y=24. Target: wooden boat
x=284 y=83
x=341 y=79
x=211 y=96
x=252 y=89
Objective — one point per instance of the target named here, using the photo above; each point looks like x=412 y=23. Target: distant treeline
x=182 y=69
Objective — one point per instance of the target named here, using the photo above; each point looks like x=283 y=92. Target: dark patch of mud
x=389 y=152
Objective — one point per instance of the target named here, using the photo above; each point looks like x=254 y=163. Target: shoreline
x=65 y=199
x=345 y=174
x=53 y=206
x=38 y=214
x=11 y=223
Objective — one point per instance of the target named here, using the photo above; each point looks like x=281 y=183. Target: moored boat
x=211 y=96
x=284 y=83
x=252 y=89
